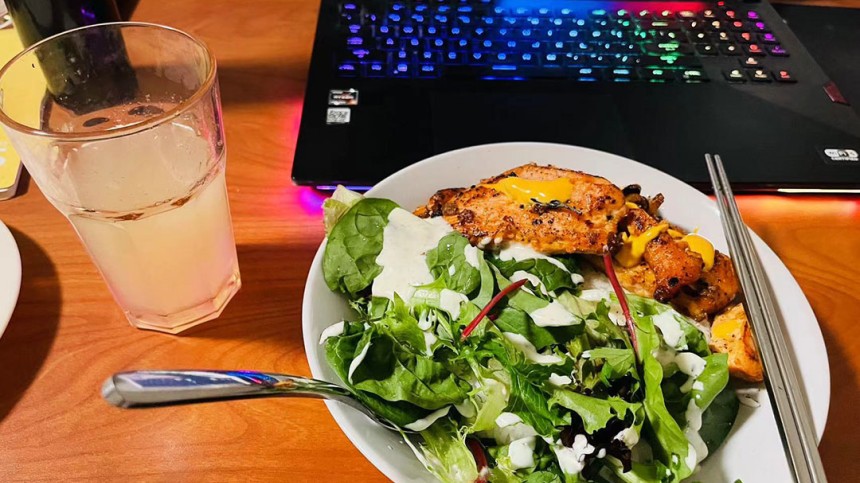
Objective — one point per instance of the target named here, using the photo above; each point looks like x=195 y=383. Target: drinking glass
x=119 y=125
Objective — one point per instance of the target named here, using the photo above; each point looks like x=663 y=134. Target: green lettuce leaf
x=488 y=284
x=693 y=337
x=340 y=202
x=617 y=363
x=529 y=402
x=527 y=398
x=349 y=261
x=669 y=442
x=396 y=374
x=340 y=351
x=403 y=326
x=490 y=397
x=714 y=378
x=595 y=412
x=446 y=455
x=450 y=253
x=652 y=472
x=518 y=322
x=718 y=419
x=551 y=275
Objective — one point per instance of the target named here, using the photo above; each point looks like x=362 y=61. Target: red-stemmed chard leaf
x=498 y=298
x=619 y=292
x=480 y=459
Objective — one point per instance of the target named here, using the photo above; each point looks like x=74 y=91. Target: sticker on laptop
x=343 y=97
x=841 y=156
x=337 y=115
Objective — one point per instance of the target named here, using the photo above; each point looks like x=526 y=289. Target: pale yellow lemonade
x=163 y=237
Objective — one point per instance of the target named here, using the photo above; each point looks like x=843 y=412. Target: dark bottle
x=88 y=72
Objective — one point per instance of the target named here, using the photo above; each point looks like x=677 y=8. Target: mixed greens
x=546 y=388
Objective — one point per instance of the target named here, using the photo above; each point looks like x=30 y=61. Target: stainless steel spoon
x=138 y=389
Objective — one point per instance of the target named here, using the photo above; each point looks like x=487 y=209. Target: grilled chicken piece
x=639 y=279
x=730 y=334
x=708 y=295
x=585 y=223
x=674 y=265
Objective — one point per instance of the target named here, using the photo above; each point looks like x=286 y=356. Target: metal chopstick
x=784 y=388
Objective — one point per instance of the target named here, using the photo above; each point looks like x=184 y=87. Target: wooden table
x=67 y=334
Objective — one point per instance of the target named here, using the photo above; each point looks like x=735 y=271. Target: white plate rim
x=10 y=276
x=775 y=269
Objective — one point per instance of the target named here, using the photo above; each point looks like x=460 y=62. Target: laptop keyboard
x=481 y=39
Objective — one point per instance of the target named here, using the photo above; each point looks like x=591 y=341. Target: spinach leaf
x=396 y=374
x=595 y=412
x=714 y=378
x=551 y=275
x=488 y=284
x=518 y=322
x=718 y=419
x=448 y=262
x=696 y=341
x=340 y=351
x=671 y=444
x=617 y=363
x=693 y=337
x=349 y=261
x=576 y=305
x=529 y=402
x=521 y=299
x=527 y=399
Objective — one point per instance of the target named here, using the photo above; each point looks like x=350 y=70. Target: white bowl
x=753 y=452
x=10 y=276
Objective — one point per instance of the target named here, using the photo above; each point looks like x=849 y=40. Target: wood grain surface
x=67 y=335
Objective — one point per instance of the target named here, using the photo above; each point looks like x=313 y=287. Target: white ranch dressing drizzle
x=691 y=365
x=670 y=328
x=450 y=301
x=472 y=257
x=509 y=428
x=333 y=330
x=357 y=361
x=532 y=279
x=559 y=380
x=693 y=415
x=572 y=460
x=405 y=242
x=425 y=422
x=553 y=315
x=522 y=453
x=429 y=339
x=628 y=436
x=530 y=351
x=520 y=252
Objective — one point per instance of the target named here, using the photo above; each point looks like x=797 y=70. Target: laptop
x=394 y=82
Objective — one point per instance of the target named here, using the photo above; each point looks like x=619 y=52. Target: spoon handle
x=164 y=388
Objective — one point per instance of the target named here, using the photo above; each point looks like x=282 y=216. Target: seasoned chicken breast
x=673 y=264
x=714 y=290
x=730 y=334
x=574 y=212
x=584 y=222
x=639 y=279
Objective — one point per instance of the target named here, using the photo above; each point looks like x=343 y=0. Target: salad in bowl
x=543 y=325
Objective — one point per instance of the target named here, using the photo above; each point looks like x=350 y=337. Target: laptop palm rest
x=463 y=118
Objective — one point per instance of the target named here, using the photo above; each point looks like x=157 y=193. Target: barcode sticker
x=337 y=115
